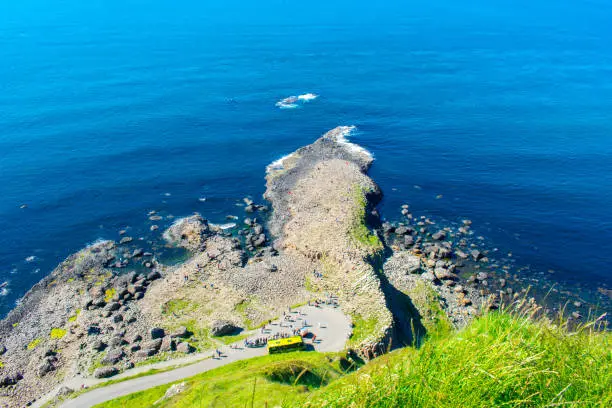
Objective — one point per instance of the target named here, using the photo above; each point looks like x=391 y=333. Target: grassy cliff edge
x=501 y=359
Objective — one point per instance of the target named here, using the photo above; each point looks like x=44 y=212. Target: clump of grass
x=32 y=345
x=363 y=329
x=433 y=317
x=230 y=339
x=359 y=230
x=57 y=333
x=502 y=359
x=201 y=335
x=243 y=308
x=109 y=294
x=176 y=306
x=73 y=318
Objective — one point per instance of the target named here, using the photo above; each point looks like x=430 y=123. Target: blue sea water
x=110 y=109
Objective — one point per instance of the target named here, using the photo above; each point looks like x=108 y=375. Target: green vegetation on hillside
x=500 y=360
x=258 y=382
x=363 y=329
x=359 y=230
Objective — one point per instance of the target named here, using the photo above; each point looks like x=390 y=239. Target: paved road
x=330 y=325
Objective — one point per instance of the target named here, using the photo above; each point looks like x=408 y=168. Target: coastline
x=324 y=235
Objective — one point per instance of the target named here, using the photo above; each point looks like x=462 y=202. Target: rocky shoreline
x=98 y=314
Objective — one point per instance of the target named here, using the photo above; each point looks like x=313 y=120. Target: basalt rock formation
x=98 y=314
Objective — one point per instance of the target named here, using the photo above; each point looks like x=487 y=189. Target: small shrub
x=57 y=333
x=34 y=343
x=109 y=294
x=74 y=317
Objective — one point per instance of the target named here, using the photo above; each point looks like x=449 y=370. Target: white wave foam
x=283 y=105
x=292 y=102
x=278 y=164
x=98 y=241
x=223 y=227
x=30 y=258
x=307 y=97
x=341 y=138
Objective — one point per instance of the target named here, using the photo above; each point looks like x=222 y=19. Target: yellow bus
x=285 y=345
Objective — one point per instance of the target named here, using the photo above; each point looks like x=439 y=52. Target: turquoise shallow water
x=111 y=109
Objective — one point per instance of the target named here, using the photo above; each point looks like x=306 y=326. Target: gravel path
x=330 y=325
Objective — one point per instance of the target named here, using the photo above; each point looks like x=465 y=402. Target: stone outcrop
x=322 y=201
x=189 y=233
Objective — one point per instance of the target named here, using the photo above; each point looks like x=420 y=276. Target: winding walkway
x=330 y=325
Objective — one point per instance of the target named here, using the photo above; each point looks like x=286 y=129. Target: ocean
x=496 y=111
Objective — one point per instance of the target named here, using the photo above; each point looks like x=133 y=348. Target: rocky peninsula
x=93 y=316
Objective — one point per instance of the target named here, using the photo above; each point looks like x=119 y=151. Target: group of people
x=263 y=340
x=329 y=301
x=257 y=342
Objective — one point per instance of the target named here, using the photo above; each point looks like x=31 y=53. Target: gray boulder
x=184 y=347
x=181 y=332
x=167 y=345
x=402 y=230
x=439 y=236
x=10 y=379
x=223 y=327
x=408 y=241
x=153 y=276
x=98 y=345
x=476 y=255
x=105 y=372
x=47 y=365
x=157 y=333
x=113 y=356
x=151 y=345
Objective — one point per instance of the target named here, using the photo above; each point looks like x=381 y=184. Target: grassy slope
x=272 y=380
x=500 y=360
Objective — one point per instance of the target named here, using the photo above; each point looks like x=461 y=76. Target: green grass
x=177 y=306
x=359 y=230
x=34 y=343
x=230 y=339
x=433 y=317
x=500 y=360
x=363 y=329
x=57 y=333
x=96 y=362
x=258 y=382
x=201 y=335
x=242 y=308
